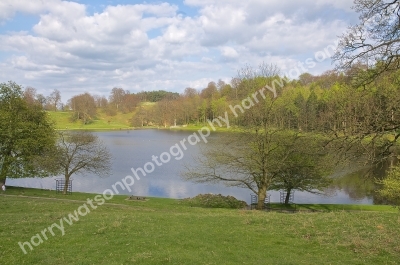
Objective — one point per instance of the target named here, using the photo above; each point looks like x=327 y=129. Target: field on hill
x=102 y=122
x=168 y=231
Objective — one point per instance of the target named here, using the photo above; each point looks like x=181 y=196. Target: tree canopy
x=26 y=136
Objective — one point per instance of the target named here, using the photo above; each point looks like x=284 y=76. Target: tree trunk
x=2 y=181
x=287 y=196
x=66 y=184
x=4 y=171
x=262 y=194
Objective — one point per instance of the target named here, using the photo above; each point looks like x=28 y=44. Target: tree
x=54 y=99
x=129 y=103
x=261 y=155
x=26 y=136
x=84 y=107
x=190 y=92
x=307 y=168
x=81 y=152
x=116 y=97
x=245 y=160
x=41 y=100
x=261 y=160
x=30 y=95
x=250 y=158
x=391 y=186
x=210 y=92
x=101 y=101
x=306 y=79
x=374 y=40
x=140 y=118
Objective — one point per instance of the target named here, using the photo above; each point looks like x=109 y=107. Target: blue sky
x=92 y=46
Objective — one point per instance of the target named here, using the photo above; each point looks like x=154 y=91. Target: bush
x=215 y=201
x=391 y=187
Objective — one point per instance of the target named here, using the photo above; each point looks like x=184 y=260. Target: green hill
x=102 y=121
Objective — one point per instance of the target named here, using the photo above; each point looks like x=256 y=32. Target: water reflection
x=132 y=149
x=355 y=185
x=361 y=184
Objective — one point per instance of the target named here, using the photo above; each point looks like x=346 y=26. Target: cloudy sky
x=92 y=46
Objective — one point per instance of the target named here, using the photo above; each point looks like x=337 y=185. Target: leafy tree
x=391 y=186
x=210 y=92
x=218 y=107
x=300 y=102
x=306 y=79
x=260 y=161
x=251 y=158
x=26 y=136
x=81 y=152
x=155 y=96
x=307 y=168
x=190 y=101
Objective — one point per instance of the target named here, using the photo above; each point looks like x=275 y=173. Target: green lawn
x=168 y=231
x=102 y=121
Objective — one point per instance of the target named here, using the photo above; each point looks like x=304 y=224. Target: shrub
x=391 y=186
x=215 y=201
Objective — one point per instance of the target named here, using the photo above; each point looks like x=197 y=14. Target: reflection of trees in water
x=361 y=184
x=356 y=185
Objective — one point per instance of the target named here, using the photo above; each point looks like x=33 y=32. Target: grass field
x=106 y=122
x=102 y=121
x=168 y=231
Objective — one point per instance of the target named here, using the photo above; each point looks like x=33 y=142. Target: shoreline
x=122 y=199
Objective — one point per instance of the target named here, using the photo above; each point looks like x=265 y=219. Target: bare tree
x=375 y=40
x=101 y=101
x=190 y=92
x=84 y=107
x=30 y=95
x=116 y=97
x=41 y=100
x=82 y=152
x=54 y=99
x=129 y=103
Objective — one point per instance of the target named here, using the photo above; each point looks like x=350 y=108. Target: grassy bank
x=62 y=120
x=167 y=231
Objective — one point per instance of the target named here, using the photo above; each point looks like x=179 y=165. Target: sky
x=92 y=46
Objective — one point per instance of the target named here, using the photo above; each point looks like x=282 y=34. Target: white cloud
x=8 y=8
x=152 y=46
x=229 y=53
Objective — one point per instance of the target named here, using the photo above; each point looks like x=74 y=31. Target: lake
x=135 y=148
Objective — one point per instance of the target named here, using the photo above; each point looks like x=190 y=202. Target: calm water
x=133 y=149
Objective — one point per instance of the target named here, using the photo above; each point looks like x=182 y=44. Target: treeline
x=326 y=102
x=85 y=106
